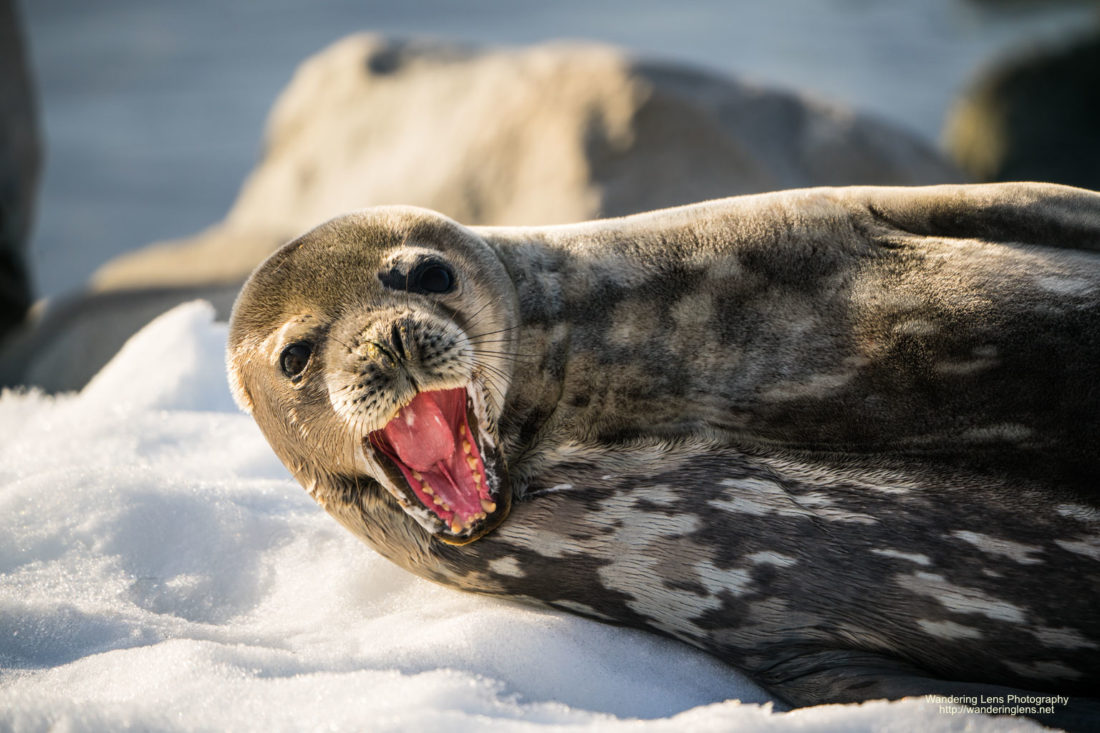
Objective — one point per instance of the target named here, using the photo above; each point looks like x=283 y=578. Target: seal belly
x=780 y=566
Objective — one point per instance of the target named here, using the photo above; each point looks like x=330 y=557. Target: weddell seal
x=845 y=440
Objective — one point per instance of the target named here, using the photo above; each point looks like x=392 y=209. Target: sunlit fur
x=844 y=439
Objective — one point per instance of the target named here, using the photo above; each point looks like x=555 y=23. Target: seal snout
x=403 y=381
x=398 y=342
x=380 y=360
x=393 y=343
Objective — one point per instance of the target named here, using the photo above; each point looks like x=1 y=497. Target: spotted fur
x=843 y=439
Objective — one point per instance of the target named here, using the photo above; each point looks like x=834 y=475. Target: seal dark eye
x=431 y=277
x=294 y=358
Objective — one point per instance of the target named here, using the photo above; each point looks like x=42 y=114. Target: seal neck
x=596 y=313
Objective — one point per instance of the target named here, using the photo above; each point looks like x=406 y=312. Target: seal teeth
x=456 y=527
x=488 y=506
x=471 y=462
x=462 y=432
x=426 y=488
x=466 y=447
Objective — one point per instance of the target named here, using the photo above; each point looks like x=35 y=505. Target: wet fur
x=844 y=439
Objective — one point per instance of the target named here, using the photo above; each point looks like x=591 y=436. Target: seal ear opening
x=236 y=386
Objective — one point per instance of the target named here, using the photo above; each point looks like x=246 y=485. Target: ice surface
x=160 y=570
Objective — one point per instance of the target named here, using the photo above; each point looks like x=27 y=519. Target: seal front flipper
x=852 y=677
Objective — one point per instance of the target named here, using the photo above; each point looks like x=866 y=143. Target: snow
x=160 y=570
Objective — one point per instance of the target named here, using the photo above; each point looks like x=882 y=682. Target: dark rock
x=1034 y=117
x=19 y=162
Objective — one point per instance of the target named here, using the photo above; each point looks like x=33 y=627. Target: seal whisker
x=495 y=378
x=491 y=341
x=508 y=359
x=474 y=317
x=493 y=333
x=495 y=370
x=501 y=352
x=497 y=351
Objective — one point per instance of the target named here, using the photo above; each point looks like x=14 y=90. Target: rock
x=70 y=339
x=1033 y=117
x=19 y=162
x=540 y=135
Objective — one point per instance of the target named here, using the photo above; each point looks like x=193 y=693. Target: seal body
x=844 y=439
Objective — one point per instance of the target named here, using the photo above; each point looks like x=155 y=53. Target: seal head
x=398 y=324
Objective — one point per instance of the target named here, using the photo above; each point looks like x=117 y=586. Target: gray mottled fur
x=844 y=439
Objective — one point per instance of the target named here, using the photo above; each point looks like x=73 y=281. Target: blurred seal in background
x=544 y=134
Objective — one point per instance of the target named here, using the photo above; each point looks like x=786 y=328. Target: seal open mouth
x=435 y=443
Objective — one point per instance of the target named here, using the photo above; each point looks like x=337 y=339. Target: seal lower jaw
x=443 y=465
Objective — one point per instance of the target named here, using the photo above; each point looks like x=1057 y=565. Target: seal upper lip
x=440 y=457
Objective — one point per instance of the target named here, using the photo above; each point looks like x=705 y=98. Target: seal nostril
x=398 y=344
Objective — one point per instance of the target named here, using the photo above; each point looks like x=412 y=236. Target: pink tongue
x=420 y=434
